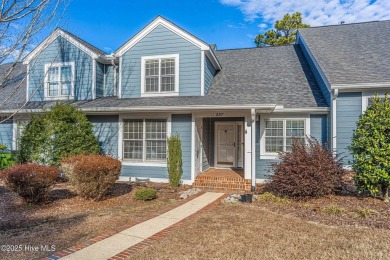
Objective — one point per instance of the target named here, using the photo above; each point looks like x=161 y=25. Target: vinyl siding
x=109 y=80
x=263 y=166
x=162 y=41
x=348 y=110
x=182 y=125
x=60 y=50
x=100 y=79
x=6 y=133
x=106 y=129
x=209 y=73
x=319 y=128
x=316 y=73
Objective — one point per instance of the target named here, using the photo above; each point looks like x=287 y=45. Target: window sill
x=269 y=156
x=148 y=163
x=59 y=98
x=162 y=94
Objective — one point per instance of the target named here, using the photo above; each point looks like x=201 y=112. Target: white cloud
x=315 y=13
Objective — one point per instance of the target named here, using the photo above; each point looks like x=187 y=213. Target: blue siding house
x=233 y=109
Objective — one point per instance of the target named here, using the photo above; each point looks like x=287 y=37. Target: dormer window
x=160 y=75
x=59 y=80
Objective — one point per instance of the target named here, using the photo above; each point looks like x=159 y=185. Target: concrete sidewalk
x=119 y=242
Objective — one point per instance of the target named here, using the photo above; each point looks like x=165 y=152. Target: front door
x=225 y=144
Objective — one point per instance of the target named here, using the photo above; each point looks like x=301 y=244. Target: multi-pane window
x=145 y=139
x=160 y=75
x=59 y=80
x=279 y=134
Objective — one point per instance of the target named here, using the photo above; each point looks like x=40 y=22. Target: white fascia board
x=361 y=86
x=52 y=38
x=318 y=110
x=160 y=21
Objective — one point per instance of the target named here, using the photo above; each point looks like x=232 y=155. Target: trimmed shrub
x=92 y=176
x=371 y=148
x=174 y=160
x=31 y=181
x=59 y=132
x=308 y=171
x=145 y=194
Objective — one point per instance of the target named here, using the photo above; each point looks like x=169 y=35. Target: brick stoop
x=222 y=179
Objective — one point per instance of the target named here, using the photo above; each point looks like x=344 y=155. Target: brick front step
x=223 y=183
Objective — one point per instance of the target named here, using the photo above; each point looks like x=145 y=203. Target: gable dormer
x=63 y=67
x=164 y=60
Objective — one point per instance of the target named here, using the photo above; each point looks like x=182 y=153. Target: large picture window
x=280 y=133
x=59 y=80
x=145 y=139
x=160 y=75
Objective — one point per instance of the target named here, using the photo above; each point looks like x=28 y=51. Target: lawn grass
x=243 y=231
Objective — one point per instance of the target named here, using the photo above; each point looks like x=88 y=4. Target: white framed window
x=368 y=95
x=145 y=140
x=277 y=134
x=160 y=75
x=59 y=80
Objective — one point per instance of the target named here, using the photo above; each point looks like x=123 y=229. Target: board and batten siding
x=106 y=128
x=182 y=125
x=348 y=110
x=209 y=73
x=61 y=50
x=320 y=81
x=162 y=41
x=6 y=133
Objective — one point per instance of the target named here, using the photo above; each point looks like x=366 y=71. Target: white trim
x=334 y=95
x=27 y=81
x=119 y=94
x=159 y=57
x=142 y=116
x=284 y=118
x=371 y=93
x=59 y=65
x=52 y=38
x=202 y=71
x=361 y=85
x=154 y=24
x=261 y=180
x=157 y=180
x=94 y=79
x=193 y=147
x=14 y=133
x=248 y=147
x=216 y=124
x=253 y=146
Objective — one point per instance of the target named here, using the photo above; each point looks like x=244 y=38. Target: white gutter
x=361 y=85
x=253 y=150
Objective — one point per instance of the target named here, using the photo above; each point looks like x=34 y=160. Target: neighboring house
x=232 y=108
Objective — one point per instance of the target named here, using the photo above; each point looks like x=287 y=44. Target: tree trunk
x=385 y=193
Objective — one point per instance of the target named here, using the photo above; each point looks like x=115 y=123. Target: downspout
x=253 y=154
x=114 y=65
x=334 y=118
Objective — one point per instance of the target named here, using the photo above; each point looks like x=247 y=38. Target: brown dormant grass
x=252 y=232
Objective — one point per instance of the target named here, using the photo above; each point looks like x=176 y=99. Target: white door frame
x=235 y=156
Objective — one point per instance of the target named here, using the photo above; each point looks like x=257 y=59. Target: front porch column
x=248 y=147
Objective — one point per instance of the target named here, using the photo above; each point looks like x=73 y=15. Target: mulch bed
x=66 y=219
x=348 y=208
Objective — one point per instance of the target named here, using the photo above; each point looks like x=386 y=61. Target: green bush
x=31 y=181
x=371 y=149
x=174 y=160
x=145 y=194
x=7 y=158
x=59 y=132
x=92 y=176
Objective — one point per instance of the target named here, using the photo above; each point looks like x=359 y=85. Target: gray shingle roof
x=87 y=44
x=351 y=53
x=256 y=76
x=13 y=89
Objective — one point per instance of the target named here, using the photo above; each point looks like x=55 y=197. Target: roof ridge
x=263 y=47
x=344 y=24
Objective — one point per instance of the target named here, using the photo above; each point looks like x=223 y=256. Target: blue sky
x=228 y=23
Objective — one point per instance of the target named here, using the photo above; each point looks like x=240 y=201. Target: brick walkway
x=226 y=179
x=130 y=239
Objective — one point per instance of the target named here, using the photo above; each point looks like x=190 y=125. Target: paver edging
x=91 y=241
